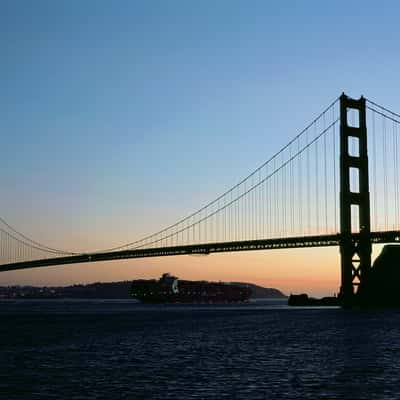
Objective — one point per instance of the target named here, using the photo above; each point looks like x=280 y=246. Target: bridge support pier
x=355 y=226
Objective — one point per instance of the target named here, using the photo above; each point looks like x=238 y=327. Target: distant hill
x=260 y=292
x=106 y=290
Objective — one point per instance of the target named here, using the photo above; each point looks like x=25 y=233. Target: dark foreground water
x=261 y=350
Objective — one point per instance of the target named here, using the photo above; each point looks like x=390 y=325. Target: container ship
x=170 y=289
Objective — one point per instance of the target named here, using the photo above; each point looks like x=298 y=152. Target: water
x=261 y=350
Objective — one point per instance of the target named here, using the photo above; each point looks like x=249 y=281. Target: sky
x=119 y=118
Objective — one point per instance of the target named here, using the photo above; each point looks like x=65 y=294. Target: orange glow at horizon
x=315 y=271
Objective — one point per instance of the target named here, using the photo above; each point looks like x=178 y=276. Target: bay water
x=110 y=349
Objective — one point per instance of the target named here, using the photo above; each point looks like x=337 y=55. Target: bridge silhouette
x=314 y=192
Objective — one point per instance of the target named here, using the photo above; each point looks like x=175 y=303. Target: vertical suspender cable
x=291 y=191
x=335 y=195
x=396 y=176
x=308 y=186
x=374 y=154
x=325 y=180
x=316 y=182
x=300 y=184
x=282 y=172
x=385 y=188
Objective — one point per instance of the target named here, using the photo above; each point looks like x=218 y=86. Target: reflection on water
x=260 y=350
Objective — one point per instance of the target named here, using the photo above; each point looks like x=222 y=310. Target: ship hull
x=191 y=299
x=170 y=290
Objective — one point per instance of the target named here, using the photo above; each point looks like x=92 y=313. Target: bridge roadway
x=201 y=249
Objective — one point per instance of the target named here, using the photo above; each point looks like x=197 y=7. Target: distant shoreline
x=106 y=291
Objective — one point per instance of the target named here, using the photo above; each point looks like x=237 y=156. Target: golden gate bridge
x=334 y=184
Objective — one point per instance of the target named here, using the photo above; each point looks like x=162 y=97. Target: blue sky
x=117 y=118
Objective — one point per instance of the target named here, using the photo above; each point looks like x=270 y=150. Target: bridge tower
x=355 y=226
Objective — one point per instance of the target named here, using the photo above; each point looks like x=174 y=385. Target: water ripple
x=124 y=351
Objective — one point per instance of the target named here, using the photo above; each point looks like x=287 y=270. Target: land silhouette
x=105 y=290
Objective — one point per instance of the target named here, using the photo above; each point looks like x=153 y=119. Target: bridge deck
x=202 y=249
